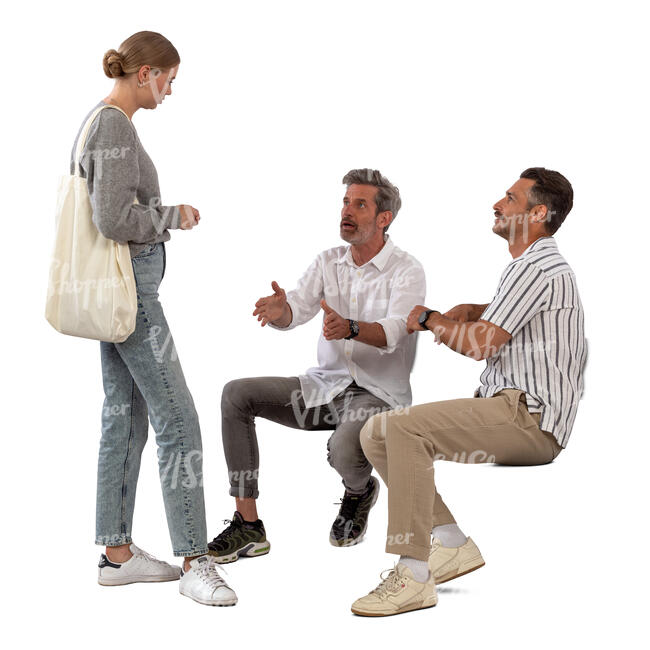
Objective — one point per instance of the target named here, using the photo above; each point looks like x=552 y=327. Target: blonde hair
x=142 y=48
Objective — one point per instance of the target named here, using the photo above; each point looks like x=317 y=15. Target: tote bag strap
x=81 y=142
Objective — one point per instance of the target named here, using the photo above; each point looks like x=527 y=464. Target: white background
x=273 y=103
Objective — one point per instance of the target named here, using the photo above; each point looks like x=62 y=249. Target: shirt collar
x=548 y=240
x=380 y=260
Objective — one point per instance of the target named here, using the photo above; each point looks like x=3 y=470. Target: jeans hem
x=244 y=493
x=197 y=552
x=112 y=541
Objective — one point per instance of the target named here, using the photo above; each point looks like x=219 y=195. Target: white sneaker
x=203 y=583
x=398 y=592
x=449 y=563
x=141 y=567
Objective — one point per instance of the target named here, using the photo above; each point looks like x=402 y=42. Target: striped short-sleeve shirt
x=537 y=303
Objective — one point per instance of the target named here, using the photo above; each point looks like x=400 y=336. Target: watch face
x=354 y=329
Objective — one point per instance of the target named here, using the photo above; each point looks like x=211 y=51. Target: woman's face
x=157 y=85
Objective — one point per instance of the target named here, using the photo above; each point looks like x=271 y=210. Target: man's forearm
x=372 y=334
x=472 y=339
x=477 y=311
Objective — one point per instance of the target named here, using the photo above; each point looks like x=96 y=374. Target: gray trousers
x=280 y=400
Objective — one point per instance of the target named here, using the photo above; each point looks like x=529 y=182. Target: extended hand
x=335 y=327
x=271 y=307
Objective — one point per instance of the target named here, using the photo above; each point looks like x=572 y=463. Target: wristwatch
x=424 y=317
x=354 y=329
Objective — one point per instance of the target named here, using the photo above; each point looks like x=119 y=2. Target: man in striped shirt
x=532 y=337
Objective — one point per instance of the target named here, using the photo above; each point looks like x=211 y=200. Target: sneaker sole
x=411 y=608
x=210 y=603
x=254 y=549
x=356 y=540
x=457 y=573
x=117 y=582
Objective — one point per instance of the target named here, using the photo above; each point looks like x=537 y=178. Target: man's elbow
x=486 y=352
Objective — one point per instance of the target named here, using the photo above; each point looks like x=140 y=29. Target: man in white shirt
x=364 y=292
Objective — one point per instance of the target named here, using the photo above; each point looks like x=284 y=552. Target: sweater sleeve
x=110 y=160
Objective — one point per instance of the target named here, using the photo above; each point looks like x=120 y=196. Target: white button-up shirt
x=383 y=290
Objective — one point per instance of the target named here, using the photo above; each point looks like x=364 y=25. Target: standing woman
x=143 y=376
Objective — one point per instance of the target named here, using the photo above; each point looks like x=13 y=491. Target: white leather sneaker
x=203 y=583
x=397 y=593
x=141 y=567
x=449 y=563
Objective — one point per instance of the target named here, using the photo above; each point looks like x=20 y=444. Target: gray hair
x=387 y=197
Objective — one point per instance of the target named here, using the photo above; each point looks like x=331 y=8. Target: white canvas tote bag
x=91 y=290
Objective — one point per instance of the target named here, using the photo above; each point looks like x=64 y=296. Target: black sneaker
x=350 y=525
x=239 y=538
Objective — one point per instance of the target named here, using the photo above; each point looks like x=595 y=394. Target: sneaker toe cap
x=370 y=604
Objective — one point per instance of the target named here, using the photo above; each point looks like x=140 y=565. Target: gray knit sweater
x=118 y=169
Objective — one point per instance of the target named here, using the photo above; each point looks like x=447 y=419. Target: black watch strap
x=424 y=316
x=354 y=329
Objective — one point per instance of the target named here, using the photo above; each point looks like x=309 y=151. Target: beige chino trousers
x=402 y=445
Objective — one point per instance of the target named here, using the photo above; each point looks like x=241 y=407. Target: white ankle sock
x=449 y=535
x=420 y=568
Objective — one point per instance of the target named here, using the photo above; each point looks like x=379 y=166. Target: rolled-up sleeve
x=408 y=290
x=522 y=293
x=305 y=299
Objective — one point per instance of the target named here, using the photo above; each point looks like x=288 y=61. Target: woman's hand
x=189 y=217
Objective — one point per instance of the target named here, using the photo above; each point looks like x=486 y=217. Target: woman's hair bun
x=113 y=64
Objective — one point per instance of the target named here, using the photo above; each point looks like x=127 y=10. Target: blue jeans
x=143 y=380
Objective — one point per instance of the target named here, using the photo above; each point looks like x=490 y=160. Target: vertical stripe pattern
x=537 y=303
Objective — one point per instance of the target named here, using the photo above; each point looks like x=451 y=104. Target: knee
x=373 y=434
x=344 y=452
x=376 y=428
x=236 y=395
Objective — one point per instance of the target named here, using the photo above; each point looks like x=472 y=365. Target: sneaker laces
x=348 y=507
x=208 y=572
x=390 y=584
x=232 y=525
x=138 y=552
x=220 y=542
